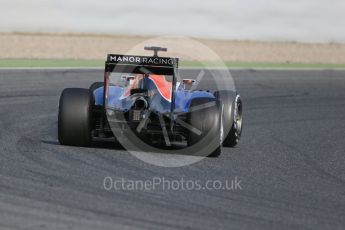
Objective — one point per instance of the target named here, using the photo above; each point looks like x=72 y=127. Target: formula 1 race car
x=141 y=94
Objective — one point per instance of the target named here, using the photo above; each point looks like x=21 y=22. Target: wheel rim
x=238 y=116
x=221 y=125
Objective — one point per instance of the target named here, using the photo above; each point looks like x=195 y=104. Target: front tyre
x=95 y=86
x=74 y=120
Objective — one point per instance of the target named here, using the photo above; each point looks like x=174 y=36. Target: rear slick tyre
x=74 y=120
x=233 y=138
x=208 y=121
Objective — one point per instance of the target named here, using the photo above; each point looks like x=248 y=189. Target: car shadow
x=110 y=144
x=99 y=144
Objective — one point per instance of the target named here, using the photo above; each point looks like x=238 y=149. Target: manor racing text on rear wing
x=141 y=64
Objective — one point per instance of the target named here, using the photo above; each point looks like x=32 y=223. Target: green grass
x=266 y=65
x=16 y=63
x=50 y=63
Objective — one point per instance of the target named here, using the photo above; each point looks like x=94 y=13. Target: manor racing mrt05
x=141 y=100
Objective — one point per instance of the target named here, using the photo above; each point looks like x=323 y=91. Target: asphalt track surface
x=290 y=161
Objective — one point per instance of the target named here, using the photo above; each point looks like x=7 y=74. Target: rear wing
x=141 y=64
